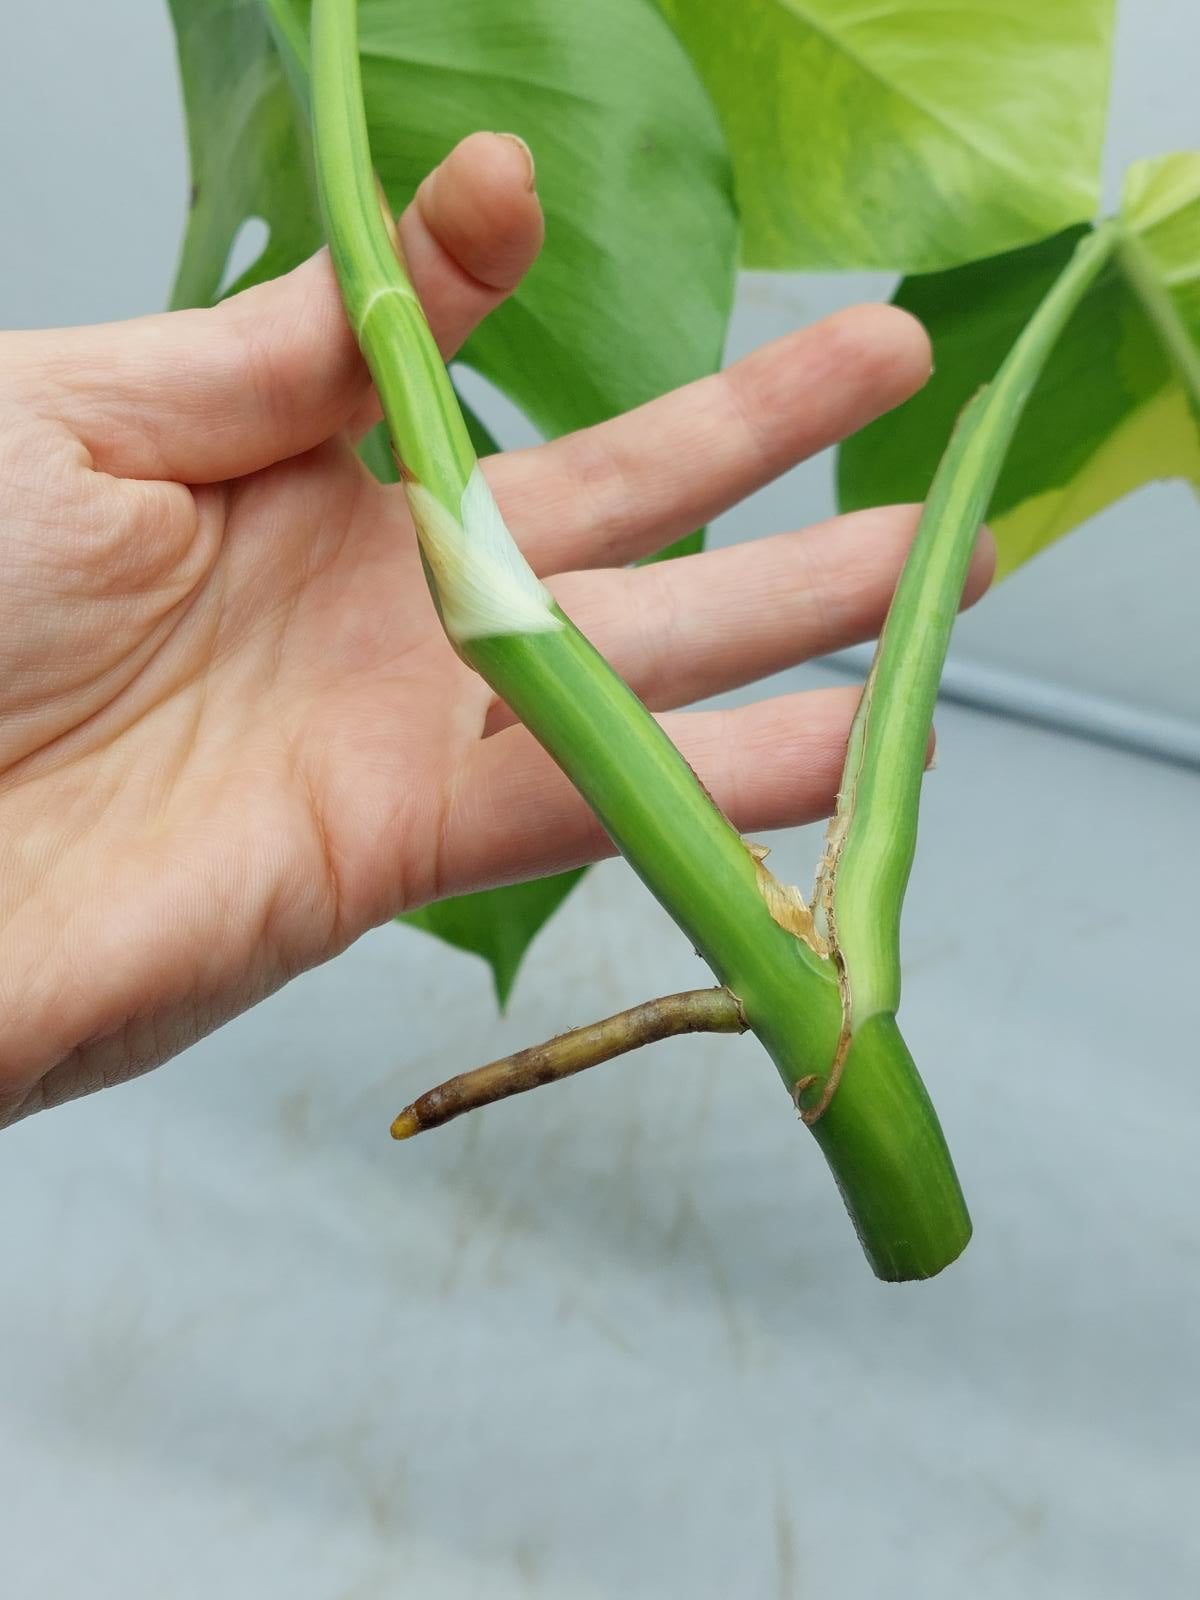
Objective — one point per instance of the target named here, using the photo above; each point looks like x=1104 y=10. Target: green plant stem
x=873 y=837
x=418 y=401
x=879 y=1133
x=881 y=1138
x=1143 y=277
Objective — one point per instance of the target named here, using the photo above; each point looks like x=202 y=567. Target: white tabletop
x=616 y=1339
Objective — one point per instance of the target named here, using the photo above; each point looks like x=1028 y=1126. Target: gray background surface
x=616 y=1340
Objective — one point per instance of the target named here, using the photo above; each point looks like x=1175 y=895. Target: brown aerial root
x=695 y=1011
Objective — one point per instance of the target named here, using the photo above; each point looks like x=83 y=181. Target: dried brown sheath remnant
x=695 y=1011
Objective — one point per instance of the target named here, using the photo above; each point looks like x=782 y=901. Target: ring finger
x=682 y=630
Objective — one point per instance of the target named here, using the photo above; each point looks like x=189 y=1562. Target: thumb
x=199 y=396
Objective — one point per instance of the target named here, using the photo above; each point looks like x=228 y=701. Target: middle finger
x=625 y=488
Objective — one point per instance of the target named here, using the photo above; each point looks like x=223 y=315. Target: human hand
x=232 y=735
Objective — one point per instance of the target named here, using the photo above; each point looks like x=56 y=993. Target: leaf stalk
x=1143 y=277
x=872 y=838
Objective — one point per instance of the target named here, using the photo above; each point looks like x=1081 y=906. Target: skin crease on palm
x=232 y=736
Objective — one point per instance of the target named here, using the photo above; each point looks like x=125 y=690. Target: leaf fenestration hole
x=249 y=242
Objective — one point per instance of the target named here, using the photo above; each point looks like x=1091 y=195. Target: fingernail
x=531 y=175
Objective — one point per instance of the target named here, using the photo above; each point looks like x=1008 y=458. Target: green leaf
x=497 y=924
x=249 y=147
x=633 y=290
x=900 y=135
x=1110 y=411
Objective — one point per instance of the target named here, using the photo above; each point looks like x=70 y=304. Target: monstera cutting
x=959 y=145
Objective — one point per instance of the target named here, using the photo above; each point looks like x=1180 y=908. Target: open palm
x=232 y=735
